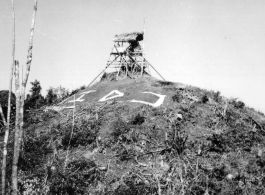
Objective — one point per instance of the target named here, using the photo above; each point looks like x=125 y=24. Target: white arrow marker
x=119 y=94
x=156 y=104
x=82 y=95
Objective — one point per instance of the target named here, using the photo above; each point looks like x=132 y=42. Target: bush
x=204 y=99
x=237 y=104
x=177 y=97
x=178 y=139
x=34 y=152
x=216 y=96
x=165 y=83
x=132 y=186
x=232 y=140
x=118 y=128
x=138 y=120
x=76 y=178
x=83 y=134
x=218 y=143
x=31 y=186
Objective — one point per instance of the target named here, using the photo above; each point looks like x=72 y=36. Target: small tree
x=35 y=100
x=61 y=92
x=51 y=97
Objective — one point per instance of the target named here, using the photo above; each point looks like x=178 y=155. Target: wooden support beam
x=155 y=70
x=120 y=67
x=101 y=73
x=123 y=60
x=134 y=62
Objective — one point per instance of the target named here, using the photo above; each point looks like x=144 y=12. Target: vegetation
x=34 y=100
x=205 y=99
x=191 y=147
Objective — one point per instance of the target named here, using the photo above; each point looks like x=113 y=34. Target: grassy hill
x=195 y=142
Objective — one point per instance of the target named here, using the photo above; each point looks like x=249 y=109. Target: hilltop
x=144 y=136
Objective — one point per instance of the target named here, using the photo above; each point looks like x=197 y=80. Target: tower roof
x=128 y=37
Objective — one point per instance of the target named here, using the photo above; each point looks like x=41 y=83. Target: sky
x=212 y=44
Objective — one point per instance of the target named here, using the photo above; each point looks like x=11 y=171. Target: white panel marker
x=156 y=104
x=82 y=95
x=119 y=94
x=69 y=107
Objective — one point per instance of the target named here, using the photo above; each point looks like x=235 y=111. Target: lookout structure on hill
x=127 y=56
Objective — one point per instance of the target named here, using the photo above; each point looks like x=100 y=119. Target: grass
x=216 y=147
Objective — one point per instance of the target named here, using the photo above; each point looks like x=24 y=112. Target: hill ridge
x=194 y=142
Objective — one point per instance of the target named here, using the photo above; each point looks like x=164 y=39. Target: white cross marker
x=82 y=95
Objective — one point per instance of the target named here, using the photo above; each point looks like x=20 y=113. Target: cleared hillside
x=186 y=141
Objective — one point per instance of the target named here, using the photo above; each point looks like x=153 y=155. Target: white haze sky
x=212 y=44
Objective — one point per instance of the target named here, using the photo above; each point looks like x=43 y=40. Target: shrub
x=138 y=120
x=236 y=138
x=118 y=128
x=165 y=83
x=84 y=133
x=204 y=99
x=218 y=143
x=132 y=186
x=34 y=152
x=31 y=185
x=177 y=97
x=76 y=178
x=185 y=108
x=216 y=96
x=178 y=139
x=238 y=104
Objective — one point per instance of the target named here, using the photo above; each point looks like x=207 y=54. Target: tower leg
x=127 y=69
x=142 y=68
x=120 y=66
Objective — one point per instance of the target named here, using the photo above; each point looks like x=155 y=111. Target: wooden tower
x=127 y=54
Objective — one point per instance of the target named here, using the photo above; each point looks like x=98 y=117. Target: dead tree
x=9 y=106
x=24 y=83
x=17 y=131
x=20 y=106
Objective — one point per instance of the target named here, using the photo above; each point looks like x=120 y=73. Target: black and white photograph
x=132 y=97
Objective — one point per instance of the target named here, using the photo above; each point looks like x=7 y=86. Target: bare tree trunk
x=2 y=115
x=20 y=108
x=17 y=131
x=9 y=105
x=24 y=83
